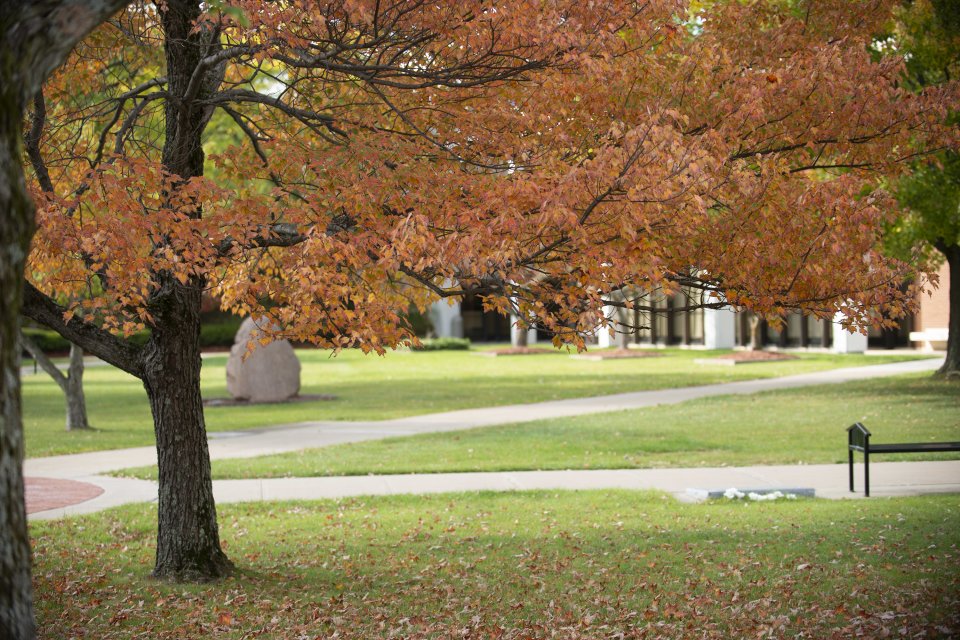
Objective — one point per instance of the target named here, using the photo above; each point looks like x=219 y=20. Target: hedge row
x=211 y=335
x=219 y=334
x=443 y=344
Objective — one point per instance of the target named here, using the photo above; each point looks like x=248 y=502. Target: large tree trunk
x=35 y=37
x=188 y=543
x=951 y=365
x=71 y=384
x=16 y=229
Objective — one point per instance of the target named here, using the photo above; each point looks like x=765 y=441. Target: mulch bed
x=618 y=354
x=747 y=357
x=515 y=351
x=756 y=356
x=233 y=402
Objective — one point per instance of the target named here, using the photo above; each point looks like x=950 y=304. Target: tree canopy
x=544 y=157
x=551 y=157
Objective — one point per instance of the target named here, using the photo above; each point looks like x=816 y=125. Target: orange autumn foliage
x=553 y=157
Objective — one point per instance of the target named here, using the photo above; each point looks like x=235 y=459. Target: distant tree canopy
x=927 y=34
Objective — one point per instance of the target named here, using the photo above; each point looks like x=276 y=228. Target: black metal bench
x=858 y=439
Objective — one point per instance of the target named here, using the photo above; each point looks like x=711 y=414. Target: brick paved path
x=52 y=493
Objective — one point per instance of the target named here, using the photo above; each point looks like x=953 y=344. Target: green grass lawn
x=519 y=565
x=778 y=427
x=400 y=384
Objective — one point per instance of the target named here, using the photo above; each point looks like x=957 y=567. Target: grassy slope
x=780 y=427
x=577 y=565
x=374 y=388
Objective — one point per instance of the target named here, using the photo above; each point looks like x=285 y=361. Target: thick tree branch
x=42 y=33
x=623 y=304
x=280 y=234
x=41 y=308
x=121 y=100
x=312 y=119
x=32 y=143
x=197 y=79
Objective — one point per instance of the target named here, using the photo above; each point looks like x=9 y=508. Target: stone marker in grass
x=270 y=373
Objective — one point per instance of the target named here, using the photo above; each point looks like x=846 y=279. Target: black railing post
x=850 y=453
x=866 y=468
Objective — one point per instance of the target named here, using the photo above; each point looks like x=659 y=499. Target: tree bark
x=71 y=384
x=35 y=37
x=951 y=365
x=188 y=542
x=16 y=229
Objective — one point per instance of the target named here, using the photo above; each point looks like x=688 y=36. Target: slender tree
x=552 y=158
x=71 y=382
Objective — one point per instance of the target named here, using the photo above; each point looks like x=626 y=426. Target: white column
x=604 y=339
x=445 y=316
x=719 y=328
x=514 y=331
x=846 y=341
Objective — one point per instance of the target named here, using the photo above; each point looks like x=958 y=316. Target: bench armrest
x=858 y=437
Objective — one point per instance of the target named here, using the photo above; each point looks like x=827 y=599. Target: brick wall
x=935 y=309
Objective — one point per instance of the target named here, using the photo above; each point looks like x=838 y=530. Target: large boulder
x=271 y=373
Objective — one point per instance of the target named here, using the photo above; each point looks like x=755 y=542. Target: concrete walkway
x=899 y=478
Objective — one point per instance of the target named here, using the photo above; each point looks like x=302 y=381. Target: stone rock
x=271 y=373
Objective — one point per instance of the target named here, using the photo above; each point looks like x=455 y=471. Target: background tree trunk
x=188 y=542
x=624 y=331
x=754 y=333
x=76 y=399
x=71 y=384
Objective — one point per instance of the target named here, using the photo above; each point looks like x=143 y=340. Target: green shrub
x=47 y=340
x=140 y=337
x=419 y=322
x=443 y=344
x=219 y=334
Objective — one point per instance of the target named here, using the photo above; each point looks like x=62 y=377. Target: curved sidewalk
x=86 y=467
